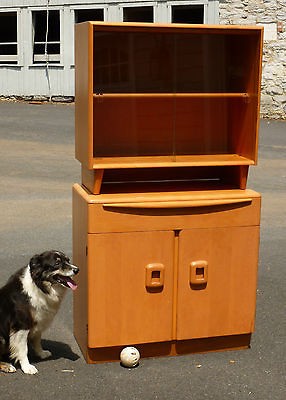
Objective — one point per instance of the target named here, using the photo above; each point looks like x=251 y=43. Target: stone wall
x=272 y=15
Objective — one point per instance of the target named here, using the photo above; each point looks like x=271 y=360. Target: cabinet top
x=169 y=199
x=196 y=28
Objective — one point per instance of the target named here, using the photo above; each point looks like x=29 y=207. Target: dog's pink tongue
x=72 y=285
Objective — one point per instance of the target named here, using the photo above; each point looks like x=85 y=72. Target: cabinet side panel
x=260 y=55
x=83 y=92
x=246 y=51
x=79 y=258
x=225 y=303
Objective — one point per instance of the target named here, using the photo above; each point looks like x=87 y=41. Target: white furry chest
x=44 y=306
x=44 y=313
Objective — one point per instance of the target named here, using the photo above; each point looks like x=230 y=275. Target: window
x=46 y=36
x=138 y=14
x=8 y=38
x=188 y=14
x=89 y=15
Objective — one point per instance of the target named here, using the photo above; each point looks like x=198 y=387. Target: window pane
x=8 y=27
x=188 y=14
x=138 y=14
x=52 y=48
x=40 y=32
x=8 y=49
x=40 y=26
x=89 y=15
x=54 y=26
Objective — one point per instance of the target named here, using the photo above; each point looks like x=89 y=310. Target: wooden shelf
x=214 y=159
x=171 y=161
x=172 y=95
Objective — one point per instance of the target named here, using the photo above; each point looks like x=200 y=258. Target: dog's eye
x=58 y=261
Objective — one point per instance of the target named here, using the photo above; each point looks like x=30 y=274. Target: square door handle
x=154 y=276
x=199 y=272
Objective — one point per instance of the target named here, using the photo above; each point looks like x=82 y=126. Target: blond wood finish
x=80 y=300
x=84 y=93
x=170 y=268
x=171 y=161
x=225 y=305
x=122 y=310
x=114 y=219
x=92 y=179
x=165 y=196
x=176 y=246
x=234 y=115
x=113 y=246
x=228 y=29
x=178 y=204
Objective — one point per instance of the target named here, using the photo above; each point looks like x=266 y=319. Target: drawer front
x=124 y=217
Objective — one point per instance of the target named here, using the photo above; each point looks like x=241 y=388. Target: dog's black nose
x=75 y=270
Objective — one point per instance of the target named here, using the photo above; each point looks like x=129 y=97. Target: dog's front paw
x=6 y=367
x=29 y=369
x=44 y=354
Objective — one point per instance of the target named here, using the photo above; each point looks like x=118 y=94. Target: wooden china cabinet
x=165 y=231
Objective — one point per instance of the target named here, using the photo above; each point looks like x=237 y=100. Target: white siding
x=28 y=79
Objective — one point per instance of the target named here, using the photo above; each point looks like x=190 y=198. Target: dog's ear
x=35 y=269
x=35 y=261
x=37 y=272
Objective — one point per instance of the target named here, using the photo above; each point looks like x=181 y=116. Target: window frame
x=51 y=59
x=152 y=4
x=204 y=3
x=11 y=59
x=75 y=8
x=83 y=8
x=104 y=7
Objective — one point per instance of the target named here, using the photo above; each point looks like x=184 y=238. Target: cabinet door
x=217 y=281
x=130 y=288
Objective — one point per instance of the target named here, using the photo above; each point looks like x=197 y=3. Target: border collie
x=28 y=303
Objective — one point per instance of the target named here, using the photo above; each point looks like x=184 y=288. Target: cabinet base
x=221 y=343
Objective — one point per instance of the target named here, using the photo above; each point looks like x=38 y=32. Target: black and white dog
x=28 y=303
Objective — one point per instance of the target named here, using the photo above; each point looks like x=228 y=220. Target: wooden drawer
x=123 y=213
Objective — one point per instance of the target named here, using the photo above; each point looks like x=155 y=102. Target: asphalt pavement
x=37 y=171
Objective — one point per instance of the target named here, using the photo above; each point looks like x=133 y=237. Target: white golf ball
x=129 y=357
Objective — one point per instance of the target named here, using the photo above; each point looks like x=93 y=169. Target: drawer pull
x=178 y=204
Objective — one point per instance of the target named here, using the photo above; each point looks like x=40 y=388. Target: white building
x=37 y=37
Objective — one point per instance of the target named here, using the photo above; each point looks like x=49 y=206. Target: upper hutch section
x=151 y=95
